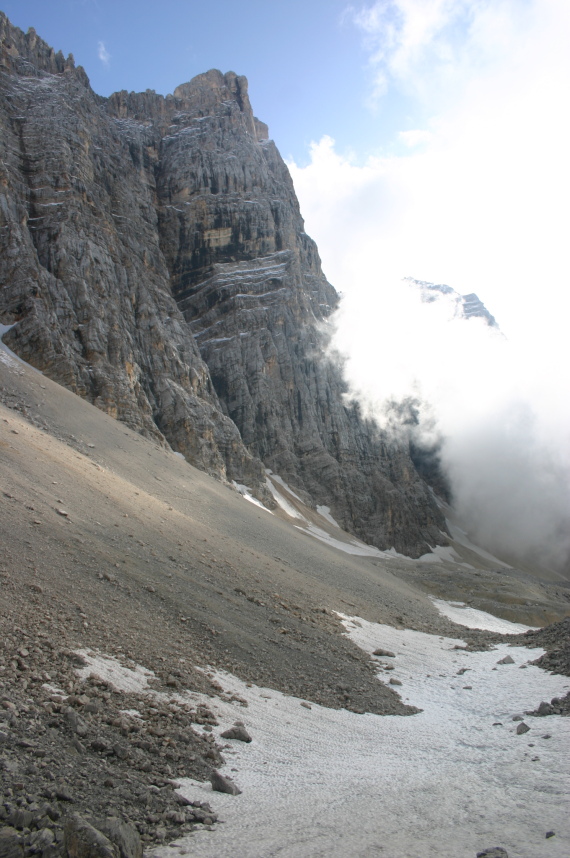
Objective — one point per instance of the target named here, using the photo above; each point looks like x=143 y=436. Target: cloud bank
x=475 y=197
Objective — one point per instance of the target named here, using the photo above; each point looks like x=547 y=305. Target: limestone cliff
x=154 y=261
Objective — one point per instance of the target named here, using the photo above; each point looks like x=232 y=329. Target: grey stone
x=507 y=660
x=239 y=733
x=63 y=793
x=82 y=840
x=10 y=843
x=522 y=728
x=21 y=818
x=76 y=722
x=120 y=751
x=42 y=839
x=384 y=652
x=123 y=834
x=223 y=784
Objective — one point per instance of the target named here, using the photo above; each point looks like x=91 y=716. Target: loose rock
x=223 y=784
x=82 y=840
x=239 y=733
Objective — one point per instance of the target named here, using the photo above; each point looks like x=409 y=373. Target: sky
x=426 y=139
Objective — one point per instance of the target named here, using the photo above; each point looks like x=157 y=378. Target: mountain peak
x=466 y=306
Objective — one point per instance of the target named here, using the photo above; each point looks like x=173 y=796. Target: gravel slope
x=112 y=543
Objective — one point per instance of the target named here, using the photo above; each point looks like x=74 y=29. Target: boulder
x=83 y=840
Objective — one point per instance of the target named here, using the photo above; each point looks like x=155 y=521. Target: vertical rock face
x=82 y=271
x=155 y=261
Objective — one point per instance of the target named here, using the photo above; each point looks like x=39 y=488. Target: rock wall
x=154 y=261
x=82 y=271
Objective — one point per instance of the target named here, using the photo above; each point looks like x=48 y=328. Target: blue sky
x=305 y=60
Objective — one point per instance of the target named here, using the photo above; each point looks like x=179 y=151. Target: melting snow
x=452 y=780
x=326 y=514
x=475 y=619
x=133 y=680
x=439 y=553
x=284 y=504
x=353 y=547
x=245 y=492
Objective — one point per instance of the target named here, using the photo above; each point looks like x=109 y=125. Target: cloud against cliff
x=495 y=405
x=103 y=54
x=477 y=201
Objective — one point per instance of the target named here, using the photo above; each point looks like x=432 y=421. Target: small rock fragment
x=386 y=653
x=508 y=659
x=522 y=728
x=223 y=784
x=239 y=733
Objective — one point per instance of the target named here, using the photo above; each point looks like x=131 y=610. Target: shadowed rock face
x=155 y=261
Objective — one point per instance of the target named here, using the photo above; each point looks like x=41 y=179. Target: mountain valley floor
x=112 y=544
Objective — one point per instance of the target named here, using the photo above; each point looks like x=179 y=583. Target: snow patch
x=326 y=514
x=439 y=553
x=282 y=483
x=133 y=680
x=475 y=619
x=352 y=547
x=451 y=780
x=245 y=492
x=282 y=502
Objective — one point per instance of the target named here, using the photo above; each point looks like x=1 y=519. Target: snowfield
x=447 y=782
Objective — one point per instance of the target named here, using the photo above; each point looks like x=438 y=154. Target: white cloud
x=432 y=46
x=103 y=54
x=415 y=137
x=482 y=205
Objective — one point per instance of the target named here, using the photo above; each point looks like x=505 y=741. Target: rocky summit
x=154 y=261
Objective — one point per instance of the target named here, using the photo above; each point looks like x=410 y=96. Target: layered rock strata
x=154 y=260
